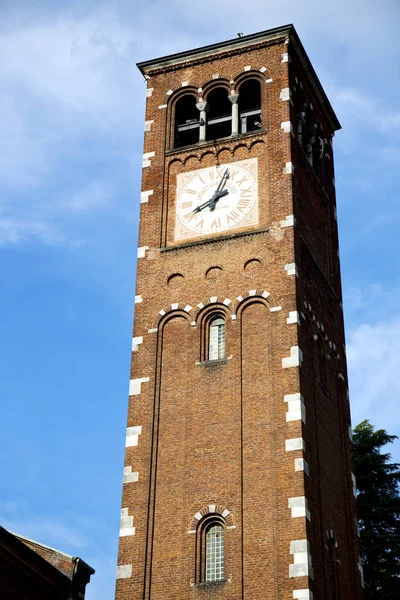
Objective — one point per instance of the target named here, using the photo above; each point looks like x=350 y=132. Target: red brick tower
x=238 y=482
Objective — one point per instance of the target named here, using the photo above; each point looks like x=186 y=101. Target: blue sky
x=72 y=111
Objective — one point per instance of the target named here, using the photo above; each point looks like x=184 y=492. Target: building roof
x=237 y=44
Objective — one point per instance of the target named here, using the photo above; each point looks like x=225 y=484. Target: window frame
x=206 y=321
x=204 y=526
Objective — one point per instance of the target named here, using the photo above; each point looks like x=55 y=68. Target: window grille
x=215 y=553
x=217 y=339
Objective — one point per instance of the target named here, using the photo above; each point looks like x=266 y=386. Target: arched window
x=210 y=549
x=216 y=340
x=186 y=122
x=214 y=567
x=219 y=118
x=250 y=105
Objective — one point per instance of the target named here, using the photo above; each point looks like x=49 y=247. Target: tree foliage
x=378 y=481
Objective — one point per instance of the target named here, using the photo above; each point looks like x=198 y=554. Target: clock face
x=216 y=199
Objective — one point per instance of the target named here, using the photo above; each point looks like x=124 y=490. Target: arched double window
x=221 y=113
x=216 y=339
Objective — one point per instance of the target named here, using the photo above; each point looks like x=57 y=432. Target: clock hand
x=216 y=197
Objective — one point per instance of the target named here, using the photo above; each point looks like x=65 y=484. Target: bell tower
x=237 y=478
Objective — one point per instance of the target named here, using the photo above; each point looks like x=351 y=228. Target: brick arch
x=258 y=70
x=223 y=81
x=183 y=309
x=212 y=509
x=190 y=156
x=178 y=92
x=259 y=294
x=212 y=301
x=243 y=76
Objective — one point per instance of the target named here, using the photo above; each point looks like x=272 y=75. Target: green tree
x=378 y=483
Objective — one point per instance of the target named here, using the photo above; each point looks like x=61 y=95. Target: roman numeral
x=200 y=225
x=186 y=204
x=216 y=224
x=201 y=179
x=191 y=215
x=246 y=193
x=212 y=175
x=243 y=204
x=188 y=191
x=245 y=178
x=232 y=216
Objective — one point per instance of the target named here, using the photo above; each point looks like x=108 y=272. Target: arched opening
x=210 y=549
x=216 y=339
x=186 y=122
x=219 y=119
x=214 y=567
x=250 y=105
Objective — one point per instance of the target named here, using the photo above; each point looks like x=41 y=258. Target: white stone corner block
x=294 y=444
x=288 y=169
x=147 y=156
x=285 y=57
x=144 y=196
x=291 y=269
x=136 y=384
x=126 y=524
x=296 y=408
x=124 y=571
x=268 y=80
x=275 y=308
x=152 y=330
x=299 y=507
x=141 y=251
x=287 y=127
x=149 y=92
x=285 y=94
x=138 y=299
x=294 y=360
x=136 y=341
x=293 y=317
x=148 y=124
x=163 y=106
x=301 y=465
x=132 y=436
x=303 y=594
x=130 y=476
x=302 y=567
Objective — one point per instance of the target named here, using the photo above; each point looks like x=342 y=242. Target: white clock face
x=216 y=199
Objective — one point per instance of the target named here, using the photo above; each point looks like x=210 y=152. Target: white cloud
x=373 y=353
